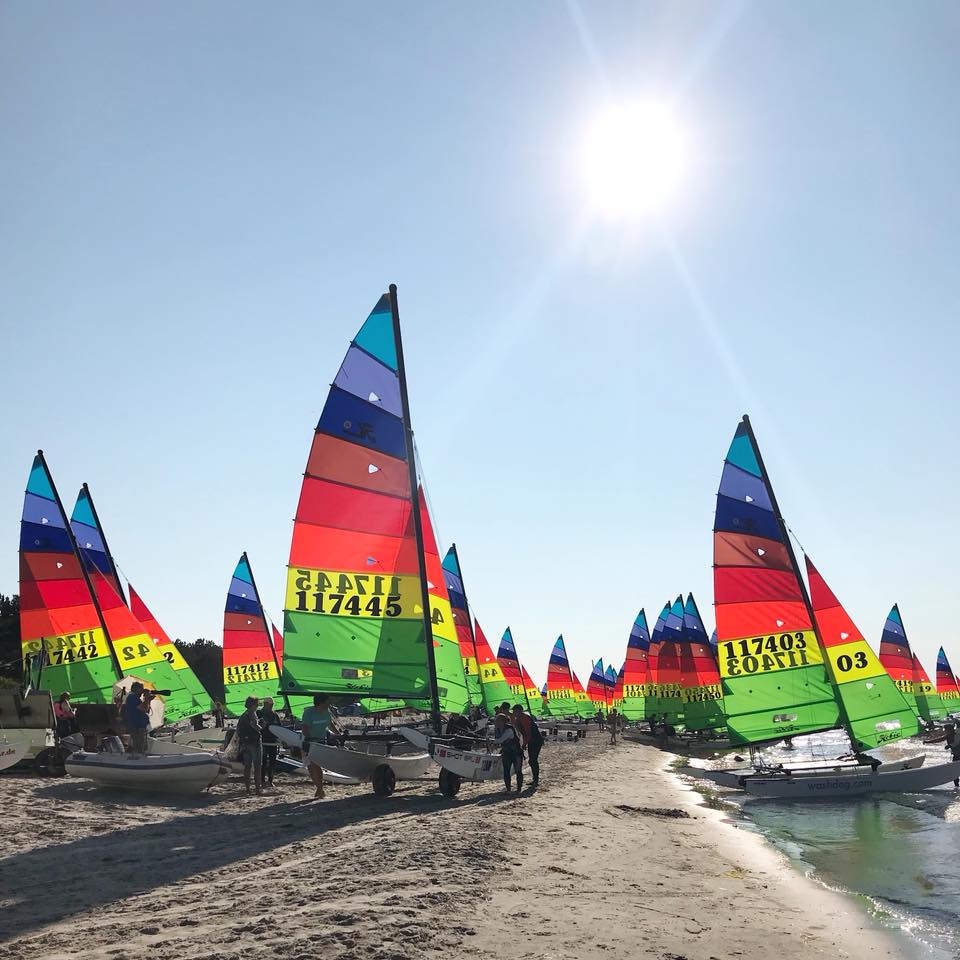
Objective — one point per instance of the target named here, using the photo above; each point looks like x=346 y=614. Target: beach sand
x=600 y=862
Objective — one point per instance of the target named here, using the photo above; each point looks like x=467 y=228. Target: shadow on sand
x=109 y=866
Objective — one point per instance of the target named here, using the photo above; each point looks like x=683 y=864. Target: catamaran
x=793 y=663
x=636 y=675
x=947 y=683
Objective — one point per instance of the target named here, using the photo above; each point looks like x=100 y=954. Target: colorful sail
x=353 y=618
x=57 y=610
x=928 y=700
x=559 y=686
x=585 y=709
x=201 y=699
x=654 y=688
x=699 y=676
x=511 y=669
x=251 y=666
x=636 y=674
x=618 y=684
x=92 y=541
x=535 y=702
x=774 y=681
x=493 y=686
x=946 y=682
x=597 y=687
x=668 y=665
x=179 y=701
x=464 y=624
x=610 y=684
x=873 y=710
x=897 y=657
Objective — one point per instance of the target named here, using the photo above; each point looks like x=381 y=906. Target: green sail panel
x=928 y=700
x=353 y=618
x=873 y=710
x=771 y=665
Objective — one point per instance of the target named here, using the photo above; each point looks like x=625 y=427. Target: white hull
x=354 y=763
x=290 y=738
x=12 y=751
x=473 y=765
x=176 y=773
x=735 y=779
x=852 y=783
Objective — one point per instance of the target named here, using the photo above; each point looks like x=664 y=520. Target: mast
x=106 y=547
x=828 y=667
x=473 y=636
x=266 y=630
x=83 y=568
x=415 y=503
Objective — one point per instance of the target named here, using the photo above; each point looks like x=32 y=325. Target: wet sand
x=599 y=862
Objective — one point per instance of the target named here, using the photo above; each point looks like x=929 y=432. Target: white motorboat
x=171 y=773
x=456 y=763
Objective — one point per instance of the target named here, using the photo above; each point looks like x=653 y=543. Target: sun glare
x=635 y=159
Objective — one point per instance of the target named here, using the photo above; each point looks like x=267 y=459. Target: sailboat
x=929 y=704
x=668 y=666
x=700 y=685
x=522 y=689
x=897 y=657
x=793 y=663
x=635 y=671
x=611 y=678
x=654 y=687
x=947 y=683
x=597 y=688
x=494 y=688
x=184 y=694
x=560 y=700
x=584 y=708
x=463 y=622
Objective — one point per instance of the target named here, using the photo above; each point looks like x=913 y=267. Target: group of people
x=259 y=747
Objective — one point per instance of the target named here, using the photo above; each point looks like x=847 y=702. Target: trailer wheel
x=449 y=783
x=50 y=762
x=384 y=780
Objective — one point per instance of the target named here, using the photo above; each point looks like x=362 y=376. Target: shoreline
x=613 y=857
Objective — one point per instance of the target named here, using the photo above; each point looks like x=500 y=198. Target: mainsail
x=597 y=687
x=668 y=665
x=584 y=708
x=774 y=681
x=493 y=687
x=610 y=681
x=636 y=678
x=58 y=614
x=654 y=687
x=873 y=710
x=928 y=700
x=946 y=681
x=138 y=652
x=535 y=701
x=699 y=677
x=464 y=624
x=897 y=658
x=512 y=670
x=559 y=686
x=356 y=618
x=168 y=648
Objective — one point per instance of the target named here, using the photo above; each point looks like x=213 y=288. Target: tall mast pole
x=828 y=667
x=266 y=630
x=106 y=548
x=473 y=636
x=83 y=569
x=417 y=521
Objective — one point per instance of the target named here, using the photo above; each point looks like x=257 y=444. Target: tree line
x=204 y=656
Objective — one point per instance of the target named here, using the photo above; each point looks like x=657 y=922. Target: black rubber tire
x=449 y=783
x=384 y=780
x=49 y=762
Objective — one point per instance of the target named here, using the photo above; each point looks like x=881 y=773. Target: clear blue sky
x=201 y=203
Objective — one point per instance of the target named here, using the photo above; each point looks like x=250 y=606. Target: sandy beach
x=612 y=857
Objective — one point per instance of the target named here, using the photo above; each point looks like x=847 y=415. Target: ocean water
x=900 y=853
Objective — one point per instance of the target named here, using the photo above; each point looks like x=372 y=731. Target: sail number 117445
x=351 y=594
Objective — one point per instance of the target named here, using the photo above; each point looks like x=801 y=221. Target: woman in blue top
x=316 y=721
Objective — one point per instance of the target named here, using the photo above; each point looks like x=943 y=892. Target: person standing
x=271 y=747
x=599 y=719
x=250 y=738
x=531 y=738
x=135 y=714
x=614 y=724
x=317 y=720
x=953 y=745
x=218 y=714
x=510 y=750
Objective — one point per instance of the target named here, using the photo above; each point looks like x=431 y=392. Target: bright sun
x=635 y=158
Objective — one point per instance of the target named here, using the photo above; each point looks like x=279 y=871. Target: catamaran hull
x=472 y=765
x=735 y=779
x=290 y=738
x=169 y=773
x=363 y=766
x=853 y=783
